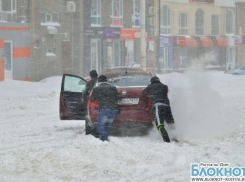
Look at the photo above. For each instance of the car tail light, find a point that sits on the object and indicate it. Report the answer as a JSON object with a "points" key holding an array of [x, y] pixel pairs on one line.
{"points": [[93, 104]]}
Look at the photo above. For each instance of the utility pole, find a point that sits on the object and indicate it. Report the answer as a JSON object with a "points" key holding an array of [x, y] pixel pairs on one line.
{"points": [[142, 35]]}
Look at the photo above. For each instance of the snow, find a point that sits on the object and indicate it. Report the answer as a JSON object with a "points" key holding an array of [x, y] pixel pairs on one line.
{"points": [[36, 146]]}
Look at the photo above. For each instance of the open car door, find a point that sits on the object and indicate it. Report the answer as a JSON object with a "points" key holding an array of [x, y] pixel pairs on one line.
{"points": [[71, 105]]}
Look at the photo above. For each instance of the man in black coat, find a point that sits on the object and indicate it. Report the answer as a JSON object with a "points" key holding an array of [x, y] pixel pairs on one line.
{"points": [[107, 97], [158, 93], [89, 86]]}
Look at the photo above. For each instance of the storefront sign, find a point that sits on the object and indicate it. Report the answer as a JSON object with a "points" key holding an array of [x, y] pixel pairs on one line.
{"points": [[234, 40], [112, 32], [94, 32], [101, 32], [130, 34], [238, 40], [166, 41]]}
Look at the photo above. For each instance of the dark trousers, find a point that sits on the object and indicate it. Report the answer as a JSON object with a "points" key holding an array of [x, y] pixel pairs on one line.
{"points": [[163, 113]]}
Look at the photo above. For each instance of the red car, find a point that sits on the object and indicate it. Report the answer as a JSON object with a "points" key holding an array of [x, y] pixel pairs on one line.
{"points": [[135, 111]]}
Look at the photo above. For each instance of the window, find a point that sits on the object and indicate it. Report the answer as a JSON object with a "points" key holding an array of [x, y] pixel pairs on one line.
{"points": [[199, 22], [229, 22], [136, 14], [95, 12], [117, 13], [95, 54], [215, 25], [183, 30], [8, 10], [49, 18], [165, 20], [117, 59]]}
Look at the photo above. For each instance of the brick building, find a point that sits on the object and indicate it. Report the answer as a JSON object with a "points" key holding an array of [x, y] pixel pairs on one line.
{"points": [[112, 34], [56, 38]]}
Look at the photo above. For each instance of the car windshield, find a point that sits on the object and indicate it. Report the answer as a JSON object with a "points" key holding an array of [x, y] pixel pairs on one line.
{"points": [[130, 80]]}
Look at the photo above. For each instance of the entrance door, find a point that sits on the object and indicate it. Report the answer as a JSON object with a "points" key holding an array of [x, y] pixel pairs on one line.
{"points": [[95, 54], [8, 60]]}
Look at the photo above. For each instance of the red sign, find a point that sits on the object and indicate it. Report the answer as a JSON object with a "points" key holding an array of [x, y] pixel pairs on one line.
{"points": [[130, 34]]}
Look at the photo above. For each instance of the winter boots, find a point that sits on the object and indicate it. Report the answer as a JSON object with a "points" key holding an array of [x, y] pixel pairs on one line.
{"points": [[164, 133]]}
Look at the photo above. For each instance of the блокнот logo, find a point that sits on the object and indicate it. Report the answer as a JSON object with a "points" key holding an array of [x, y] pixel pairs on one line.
{"points": [[216, 172]]}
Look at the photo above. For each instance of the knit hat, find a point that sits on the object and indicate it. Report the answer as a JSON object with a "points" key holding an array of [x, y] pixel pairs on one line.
{"points": [[102, 78], [155, 79], [93, 74]]}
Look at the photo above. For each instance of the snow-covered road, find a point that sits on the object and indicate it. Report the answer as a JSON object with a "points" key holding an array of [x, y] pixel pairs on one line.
{"points": [[35, 146]]}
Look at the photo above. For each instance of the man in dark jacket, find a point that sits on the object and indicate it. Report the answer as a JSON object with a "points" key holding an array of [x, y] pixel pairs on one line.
{"points": [[158, 93], [107, 97], [89, 86]]}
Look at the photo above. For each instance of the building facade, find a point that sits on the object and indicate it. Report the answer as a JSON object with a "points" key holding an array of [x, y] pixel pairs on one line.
{"points": [[196, 33], [240, 8], [15, 45], [112, 34], [56, 38]]}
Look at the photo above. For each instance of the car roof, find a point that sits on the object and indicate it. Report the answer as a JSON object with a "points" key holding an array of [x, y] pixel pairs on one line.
{"points": [[123, 70]]}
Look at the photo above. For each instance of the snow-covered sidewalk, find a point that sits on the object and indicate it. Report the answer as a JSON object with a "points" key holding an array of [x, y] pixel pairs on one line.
{"points": [[35, 146]]}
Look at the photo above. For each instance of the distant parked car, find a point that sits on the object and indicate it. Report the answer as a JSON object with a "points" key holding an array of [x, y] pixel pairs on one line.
{"points": [[135, 111], [237, 71]]}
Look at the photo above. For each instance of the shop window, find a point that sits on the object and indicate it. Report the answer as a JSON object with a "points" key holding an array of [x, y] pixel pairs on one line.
{"points": [[183, 30], [95, 54], [117, 13], [95, 12], [117, 58], [215, 24], [165, 20], [229, 22], [136, 14], [8, 10], [199, 22]]}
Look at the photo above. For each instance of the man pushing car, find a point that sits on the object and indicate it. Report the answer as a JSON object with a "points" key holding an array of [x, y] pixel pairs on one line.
{"points": [[158, 93], [107, 97]]}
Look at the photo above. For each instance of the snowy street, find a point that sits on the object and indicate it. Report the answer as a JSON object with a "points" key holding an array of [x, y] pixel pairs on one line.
{"points": [[36, 146]]}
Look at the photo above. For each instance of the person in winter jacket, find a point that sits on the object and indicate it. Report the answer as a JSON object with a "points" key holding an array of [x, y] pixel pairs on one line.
{"points": [[107, 97], [158, 93], [89, 86]]}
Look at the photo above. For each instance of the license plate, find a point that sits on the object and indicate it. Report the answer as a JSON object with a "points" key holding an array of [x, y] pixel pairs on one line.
{"points": [[128, 101]]}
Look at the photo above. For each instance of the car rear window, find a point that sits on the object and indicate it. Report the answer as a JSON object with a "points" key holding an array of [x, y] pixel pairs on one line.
{"points": [[130, 80]]}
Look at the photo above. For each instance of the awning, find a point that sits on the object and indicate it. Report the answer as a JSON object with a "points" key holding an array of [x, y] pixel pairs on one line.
{"points": [[206, 42], [186, 41], [221, 42]]}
